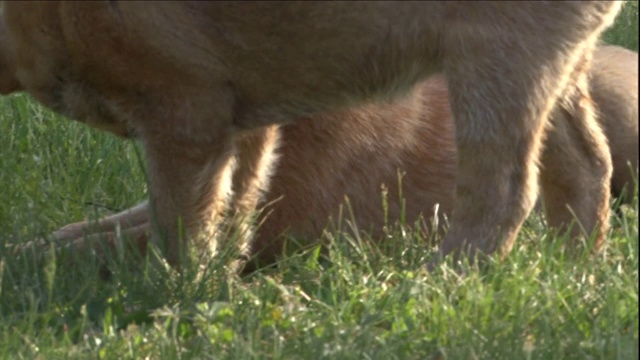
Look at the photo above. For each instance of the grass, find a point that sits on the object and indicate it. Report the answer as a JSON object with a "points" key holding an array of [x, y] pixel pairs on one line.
{"points": [[625, 30], [361, 301]]}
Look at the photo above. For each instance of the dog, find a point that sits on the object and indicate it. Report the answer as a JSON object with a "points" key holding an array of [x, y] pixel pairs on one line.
{"points": [[202, 84], [324, 159]]}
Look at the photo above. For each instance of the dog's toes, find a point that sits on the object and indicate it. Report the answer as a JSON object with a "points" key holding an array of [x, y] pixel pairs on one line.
{"points": [[33, 245]]}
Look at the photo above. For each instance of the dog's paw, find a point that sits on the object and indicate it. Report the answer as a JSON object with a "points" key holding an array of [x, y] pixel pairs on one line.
{"points": [[28, 246], [69, 232], [65, 236]]}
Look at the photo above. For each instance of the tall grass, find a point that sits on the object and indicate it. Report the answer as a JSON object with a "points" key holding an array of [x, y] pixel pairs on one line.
{"points": [[359, 301]]}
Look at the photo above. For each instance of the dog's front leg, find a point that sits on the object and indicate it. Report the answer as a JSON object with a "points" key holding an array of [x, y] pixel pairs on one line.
{"points": [[129, 218], [189, 146], [101, 234], [190, 185]]}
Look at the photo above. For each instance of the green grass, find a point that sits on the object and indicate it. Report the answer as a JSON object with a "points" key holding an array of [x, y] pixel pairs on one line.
{"points": [[625, 30], [360, 302]]}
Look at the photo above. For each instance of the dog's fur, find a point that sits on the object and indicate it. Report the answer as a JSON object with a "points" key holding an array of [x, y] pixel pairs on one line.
{"points": [[614, 83], [201, 83], [614, 89], [323, 159]]}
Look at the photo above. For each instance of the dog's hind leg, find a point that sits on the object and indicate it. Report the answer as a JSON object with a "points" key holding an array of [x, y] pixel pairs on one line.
{"points": [[500, 120], [256, 157], [576, 167]]}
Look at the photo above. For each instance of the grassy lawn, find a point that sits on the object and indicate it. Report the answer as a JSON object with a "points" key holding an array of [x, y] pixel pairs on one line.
{"points": [[360, 301]]}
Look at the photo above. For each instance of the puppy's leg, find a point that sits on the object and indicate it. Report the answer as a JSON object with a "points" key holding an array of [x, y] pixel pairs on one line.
{"points": [[613, 85], [499, 132], [98, 243], [190, 184], [496, 183], [255, 159], [132, 217], [76, 232], [576, 166], [190, 152]]}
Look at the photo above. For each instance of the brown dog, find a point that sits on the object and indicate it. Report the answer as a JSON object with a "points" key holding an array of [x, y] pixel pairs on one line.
{"points": [[353, 152], [198, 83]]}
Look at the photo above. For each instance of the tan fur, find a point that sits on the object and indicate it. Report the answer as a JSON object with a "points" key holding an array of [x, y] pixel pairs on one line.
{"points": [[189, 79], [614, 87], [354, 152]]}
